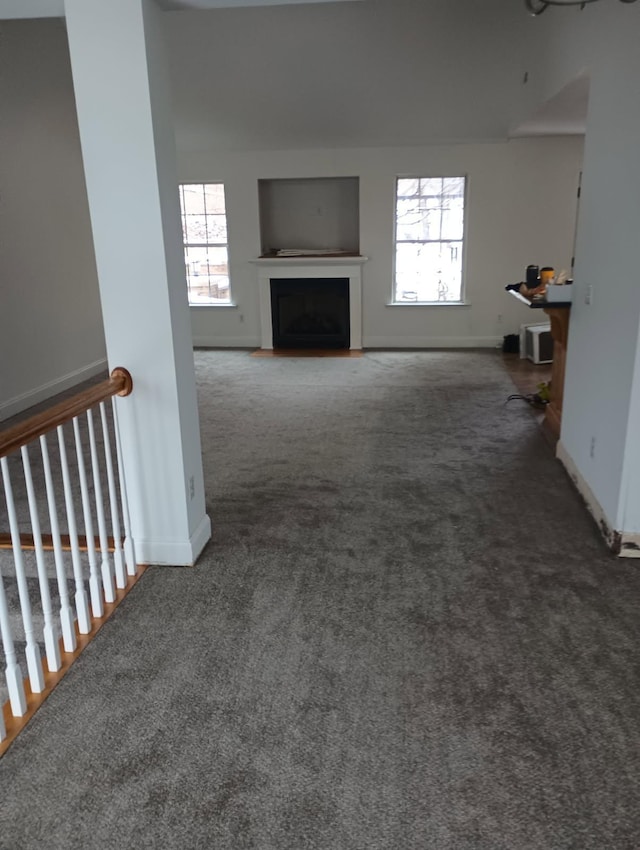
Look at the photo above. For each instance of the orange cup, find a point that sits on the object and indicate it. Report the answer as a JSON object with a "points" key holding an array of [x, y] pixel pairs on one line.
{"points": [[546, 275]]}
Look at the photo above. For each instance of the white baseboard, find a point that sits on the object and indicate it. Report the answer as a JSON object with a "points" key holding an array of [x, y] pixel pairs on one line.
{"points": [[200, 537], [629, 545], [216, 341], [431, 341], [174, 553], [27, 399], [622, 543]]}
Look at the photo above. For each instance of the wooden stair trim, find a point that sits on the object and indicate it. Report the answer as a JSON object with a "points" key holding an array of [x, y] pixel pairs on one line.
{"points": [[15, 725], [27, 542]]}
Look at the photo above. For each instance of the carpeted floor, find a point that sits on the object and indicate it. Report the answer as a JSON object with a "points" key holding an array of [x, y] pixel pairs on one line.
{"points": [[406, 634]]}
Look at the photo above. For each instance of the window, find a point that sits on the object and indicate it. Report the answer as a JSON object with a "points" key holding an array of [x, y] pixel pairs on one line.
{"points": [[204, 229], [429, 240]]}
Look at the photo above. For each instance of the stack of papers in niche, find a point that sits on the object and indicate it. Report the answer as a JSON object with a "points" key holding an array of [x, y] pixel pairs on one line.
{"points": [[302, 252]]}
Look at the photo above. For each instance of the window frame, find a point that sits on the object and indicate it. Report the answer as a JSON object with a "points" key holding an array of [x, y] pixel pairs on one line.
{"points": [[187, 245], [461, 301]]}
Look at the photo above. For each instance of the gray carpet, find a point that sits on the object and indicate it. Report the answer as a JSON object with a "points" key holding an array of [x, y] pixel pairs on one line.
{"points": [[406, 633]]}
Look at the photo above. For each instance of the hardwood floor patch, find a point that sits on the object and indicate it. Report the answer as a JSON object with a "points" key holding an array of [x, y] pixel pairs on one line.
{"points": [[306, 352]]}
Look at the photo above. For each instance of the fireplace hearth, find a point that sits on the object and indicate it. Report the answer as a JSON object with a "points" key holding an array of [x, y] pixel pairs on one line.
{"points": [[310, 312]]}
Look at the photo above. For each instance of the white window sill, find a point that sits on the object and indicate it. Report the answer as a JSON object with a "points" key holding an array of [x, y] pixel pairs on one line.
{"points": [[428, 304], [209, 306]]}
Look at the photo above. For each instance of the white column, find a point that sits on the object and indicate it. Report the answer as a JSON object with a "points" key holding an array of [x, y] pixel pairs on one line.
{"points": [[601, 408], [122, 97]]}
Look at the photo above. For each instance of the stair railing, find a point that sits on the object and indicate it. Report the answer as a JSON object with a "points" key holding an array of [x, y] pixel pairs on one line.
{"points": [[102, 563]]}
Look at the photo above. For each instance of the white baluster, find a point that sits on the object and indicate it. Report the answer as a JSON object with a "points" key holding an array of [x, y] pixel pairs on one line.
{"points": [[34, 662], [129, 549], [105, 565], [118, 559], [66, 613], [51, 643], [13, 674], [95, 589], [3, 728], [82, 604]]}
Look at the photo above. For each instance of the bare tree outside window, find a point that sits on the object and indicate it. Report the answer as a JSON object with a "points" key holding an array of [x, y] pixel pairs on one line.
{"points": [[429, 240], [204, 230]]}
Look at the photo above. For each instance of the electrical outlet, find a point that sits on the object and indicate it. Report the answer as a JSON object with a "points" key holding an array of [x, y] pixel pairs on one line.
{"points": [[588, 295], [592, 448], [192, 488]]}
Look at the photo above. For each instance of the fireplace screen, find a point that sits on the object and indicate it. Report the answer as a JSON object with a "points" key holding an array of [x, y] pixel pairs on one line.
{"points": [[310, 312]]}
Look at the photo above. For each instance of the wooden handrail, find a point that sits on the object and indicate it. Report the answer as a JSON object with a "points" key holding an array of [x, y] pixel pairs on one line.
{"points": [[118, 383]]}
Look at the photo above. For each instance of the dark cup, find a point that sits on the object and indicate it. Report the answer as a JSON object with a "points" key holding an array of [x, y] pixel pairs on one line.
{"points": [[532, 276]]}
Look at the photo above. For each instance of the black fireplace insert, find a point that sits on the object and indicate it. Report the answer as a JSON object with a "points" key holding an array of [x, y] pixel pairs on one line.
{"points": [[310, 312]]}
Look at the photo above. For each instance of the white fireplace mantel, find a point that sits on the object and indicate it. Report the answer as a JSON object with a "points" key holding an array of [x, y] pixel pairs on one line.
{"points": [[306, 266]]}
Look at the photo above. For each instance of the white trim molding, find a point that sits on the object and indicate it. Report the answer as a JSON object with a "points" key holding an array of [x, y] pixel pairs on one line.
{"points": [[216, 341], [629, 545], [225, 305], [622, 543], [174, 553], [310, 267], [438, 304], [45, 391], [432, 341]]}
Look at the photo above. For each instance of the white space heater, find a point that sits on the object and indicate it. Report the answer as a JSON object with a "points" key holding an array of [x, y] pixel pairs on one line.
{"points": [[536, 343]]}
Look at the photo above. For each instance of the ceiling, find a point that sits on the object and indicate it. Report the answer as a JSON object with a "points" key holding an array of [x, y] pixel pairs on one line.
{"points": [[381, 73], [388, 55], [563, 114], [219, 4], [55, 8]]}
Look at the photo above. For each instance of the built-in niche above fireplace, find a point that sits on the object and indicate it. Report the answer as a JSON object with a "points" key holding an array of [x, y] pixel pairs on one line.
{"points": [[321, 213]]}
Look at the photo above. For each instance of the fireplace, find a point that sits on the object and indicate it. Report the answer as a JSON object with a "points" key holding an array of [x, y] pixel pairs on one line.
{"points": [[310, 312], [336, 277]]}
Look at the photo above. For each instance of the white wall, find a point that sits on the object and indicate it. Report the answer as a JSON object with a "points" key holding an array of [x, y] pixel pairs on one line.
{"points": [[601, 414], [50, 322], [521, 207]]}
